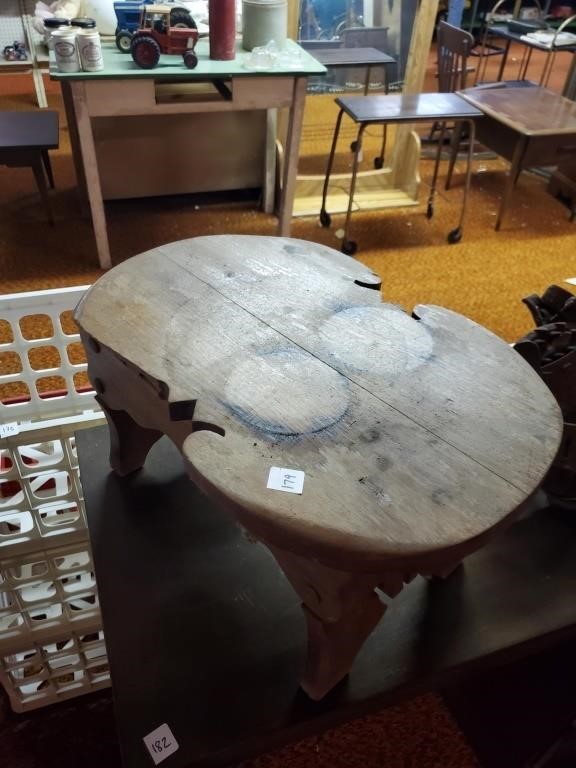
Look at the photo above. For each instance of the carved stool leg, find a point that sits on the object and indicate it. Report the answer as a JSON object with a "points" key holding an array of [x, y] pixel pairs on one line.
{"points": [[129, 442], [341, 610]]}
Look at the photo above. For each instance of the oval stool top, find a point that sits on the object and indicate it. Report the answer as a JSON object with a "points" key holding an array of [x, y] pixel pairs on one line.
{"points": [[416, 434]]}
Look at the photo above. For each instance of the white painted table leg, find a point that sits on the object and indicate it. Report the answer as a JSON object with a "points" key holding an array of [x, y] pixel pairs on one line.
{"points": [[270, 161], [291, 156], [90, 167]]}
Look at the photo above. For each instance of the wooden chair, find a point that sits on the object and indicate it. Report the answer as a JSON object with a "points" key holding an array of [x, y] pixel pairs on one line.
{"points": [[25, 139], [454, 46]]}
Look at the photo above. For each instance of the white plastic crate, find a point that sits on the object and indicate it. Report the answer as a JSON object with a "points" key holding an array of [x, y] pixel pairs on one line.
{"points": [[35, 325], [46, 594], [48, 598], [41, 501], [41, 407], [49, 672]]}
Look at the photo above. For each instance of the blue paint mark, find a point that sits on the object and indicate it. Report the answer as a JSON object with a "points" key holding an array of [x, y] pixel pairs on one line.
{"points": [[275, 428]]}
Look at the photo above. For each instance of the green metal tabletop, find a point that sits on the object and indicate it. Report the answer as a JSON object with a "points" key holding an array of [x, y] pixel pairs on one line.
{"points": [[120, 65]]}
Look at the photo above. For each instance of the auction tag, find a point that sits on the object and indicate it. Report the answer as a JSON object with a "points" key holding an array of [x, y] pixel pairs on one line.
{"points": [[282, 479], [9, 430], [161, 743]]}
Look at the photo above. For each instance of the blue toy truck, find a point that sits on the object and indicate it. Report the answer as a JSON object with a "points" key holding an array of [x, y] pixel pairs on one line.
{"points": [[128, 15]]}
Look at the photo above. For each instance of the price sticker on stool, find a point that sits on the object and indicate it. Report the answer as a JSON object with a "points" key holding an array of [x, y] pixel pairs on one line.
{"points": [[282, 479], [161, 743], [9, 430]]}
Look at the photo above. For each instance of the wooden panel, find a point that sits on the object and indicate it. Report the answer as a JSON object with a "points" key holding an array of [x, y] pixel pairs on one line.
{"points": [[413, 82], [178, 154], [373, 191], [117, 97]]}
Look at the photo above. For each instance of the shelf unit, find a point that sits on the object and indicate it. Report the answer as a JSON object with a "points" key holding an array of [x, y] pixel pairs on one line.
{"points": [[15, 24]]}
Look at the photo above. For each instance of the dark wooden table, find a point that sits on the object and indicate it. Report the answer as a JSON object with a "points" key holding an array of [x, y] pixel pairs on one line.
{"points": [[25, 138], [334, 58], [205, 634], [527, 126], [508, 36]]}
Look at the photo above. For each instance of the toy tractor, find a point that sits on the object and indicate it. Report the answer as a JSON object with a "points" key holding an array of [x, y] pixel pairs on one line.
{"points": [[128, 17], [156, 36]]}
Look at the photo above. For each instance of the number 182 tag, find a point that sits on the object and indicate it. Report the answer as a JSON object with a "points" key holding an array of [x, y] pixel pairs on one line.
{"points": [[161, 743]]}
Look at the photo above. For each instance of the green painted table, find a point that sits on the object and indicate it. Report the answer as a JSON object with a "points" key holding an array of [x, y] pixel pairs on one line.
{"points": [[122, 89]]}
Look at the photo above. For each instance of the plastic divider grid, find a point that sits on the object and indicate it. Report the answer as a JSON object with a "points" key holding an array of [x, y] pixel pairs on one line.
{"points": [[48, 596], [46, 593], [48, 672]]}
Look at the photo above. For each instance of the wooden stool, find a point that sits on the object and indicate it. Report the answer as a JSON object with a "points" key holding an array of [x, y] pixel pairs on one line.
{"points": [[418, 435], [25, 138]]}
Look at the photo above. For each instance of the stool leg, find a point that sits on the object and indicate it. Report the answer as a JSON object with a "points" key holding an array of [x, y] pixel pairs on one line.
{"points": [[41, 184], [129, 442], [48, 167], [341, 610], [324, 216]]}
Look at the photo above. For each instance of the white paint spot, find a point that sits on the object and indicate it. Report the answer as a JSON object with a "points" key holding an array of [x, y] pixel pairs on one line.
{"points": [[381, 340]]}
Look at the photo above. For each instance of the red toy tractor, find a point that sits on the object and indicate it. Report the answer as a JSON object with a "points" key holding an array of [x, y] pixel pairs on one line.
{"points": [[156, 36]]}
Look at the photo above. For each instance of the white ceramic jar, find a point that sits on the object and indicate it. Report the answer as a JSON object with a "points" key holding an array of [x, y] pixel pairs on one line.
{"points": [[263, 21], [65, 49], [50, 26], [90, 50]]}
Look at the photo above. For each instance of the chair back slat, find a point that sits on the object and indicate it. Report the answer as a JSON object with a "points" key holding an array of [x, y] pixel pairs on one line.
{"points": [[454, 46]]}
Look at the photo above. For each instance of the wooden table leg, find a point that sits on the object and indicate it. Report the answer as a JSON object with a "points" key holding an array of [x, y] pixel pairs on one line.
{"points": [[37, 168], [511, 180], [75, 145], [291, 156], [48, 167], [270, 161], [91, 174]]}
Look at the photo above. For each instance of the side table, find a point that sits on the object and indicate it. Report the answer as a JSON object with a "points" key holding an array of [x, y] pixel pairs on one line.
{"points": [[397, 109]]}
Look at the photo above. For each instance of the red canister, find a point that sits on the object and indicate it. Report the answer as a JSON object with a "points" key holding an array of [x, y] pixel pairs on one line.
{"points": [[222, 24]]}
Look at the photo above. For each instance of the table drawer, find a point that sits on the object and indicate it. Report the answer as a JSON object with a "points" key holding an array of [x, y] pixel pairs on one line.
{"points": [[549, 150], [107, 98]]}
